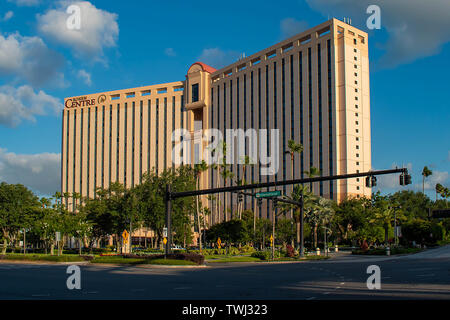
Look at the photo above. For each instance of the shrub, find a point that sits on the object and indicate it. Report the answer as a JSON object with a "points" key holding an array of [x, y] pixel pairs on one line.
{"points": [[247, 249], [193, 257], [290, 251], [265, 255]]}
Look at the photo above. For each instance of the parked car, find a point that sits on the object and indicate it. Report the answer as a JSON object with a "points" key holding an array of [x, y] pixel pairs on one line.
{"points": [[177, 247]]}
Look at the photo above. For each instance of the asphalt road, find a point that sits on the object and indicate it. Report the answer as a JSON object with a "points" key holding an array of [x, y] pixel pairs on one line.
{"points": [[424, 275]]}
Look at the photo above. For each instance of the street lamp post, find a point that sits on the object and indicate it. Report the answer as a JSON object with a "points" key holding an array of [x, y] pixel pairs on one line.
{"points": [[325, 246], [395, 225]]}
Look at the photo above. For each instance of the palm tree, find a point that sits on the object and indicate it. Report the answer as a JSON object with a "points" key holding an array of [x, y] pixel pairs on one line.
{"points": [[293, 148], [199, 168], [246, 161], [75, 197], [439, 189], [320, 212], [226, 174], [425, 173]]}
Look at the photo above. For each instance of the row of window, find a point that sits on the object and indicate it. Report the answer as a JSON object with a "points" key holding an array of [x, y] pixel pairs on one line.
{"points": [[100, 137], [221, 97]]}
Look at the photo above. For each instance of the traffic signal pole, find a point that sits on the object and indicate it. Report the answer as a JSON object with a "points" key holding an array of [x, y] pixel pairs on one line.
{"points": [[175, 195]]}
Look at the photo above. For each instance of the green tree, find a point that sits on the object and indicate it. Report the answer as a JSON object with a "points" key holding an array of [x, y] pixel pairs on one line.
{"points": [[384, 213], [16, 202]]}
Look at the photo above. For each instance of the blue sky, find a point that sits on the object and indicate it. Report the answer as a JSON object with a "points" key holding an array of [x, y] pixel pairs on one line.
{"points": [[133, 43]]}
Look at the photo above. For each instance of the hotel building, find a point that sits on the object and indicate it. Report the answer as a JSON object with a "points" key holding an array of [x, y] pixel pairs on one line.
{"points": [[312, 87]]}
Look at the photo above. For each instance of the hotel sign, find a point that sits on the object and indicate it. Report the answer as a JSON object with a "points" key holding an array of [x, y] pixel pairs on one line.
{"points": [[84, 101]]}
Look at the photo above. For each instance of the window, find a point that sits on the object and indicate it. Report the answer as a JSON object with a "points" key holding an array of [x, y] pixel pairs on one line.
{"points": [[356, 114], [195, 92], [356, 81], [357, 130], [356, 74], [357, 138], [356, 59], [357, 179], [355, 42], [357, 147], [357, 163], [354, 50], [356, 90], [356, 106], [356, 67], [356, 98], [356, 122], [357, 155], [357, 187]]}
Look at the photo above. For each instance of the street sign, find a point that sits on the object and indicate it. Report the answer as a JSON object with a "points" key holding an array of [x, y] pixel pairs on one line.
{"points": [[271, 240], [125, 235], [219, 242], [165, 240], [58, 236], [268, 194], [165, 232], [398, 231]]}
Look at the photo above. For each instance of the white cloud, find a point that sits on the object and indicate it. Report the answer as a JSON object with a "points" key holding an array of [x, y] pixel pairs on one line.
{"points": [[170, 52], [85, 76], [431, 181], [218, 58], [392, 181], [416, 28], [98, 29], [8, 15], [25, 3], [39, 172], [290, 27], [29, 58], [22, 103]]}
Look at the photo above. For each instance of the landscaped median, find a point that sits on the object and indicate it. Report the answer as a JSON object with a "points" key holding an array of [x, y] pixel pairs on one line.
{"points": [[180, 259], [174, 259]]}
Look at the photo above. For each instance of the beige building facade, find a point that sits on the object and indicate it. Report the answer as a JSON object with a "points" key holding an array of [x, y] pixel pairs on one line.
{"points": [[312, 87]]}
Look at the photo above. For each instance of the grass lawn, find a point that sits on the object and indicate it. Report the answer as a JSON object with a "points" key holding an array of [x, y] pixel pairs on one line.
{"points": [[41, 257], [133, 261]]}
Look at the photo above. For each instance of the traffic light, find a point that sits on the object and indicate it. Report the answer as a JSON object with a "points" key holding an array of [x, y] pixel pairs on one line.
{"points": [[259, 202], [407, 179], [240, 197], [374, 181], [368, 182]]}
